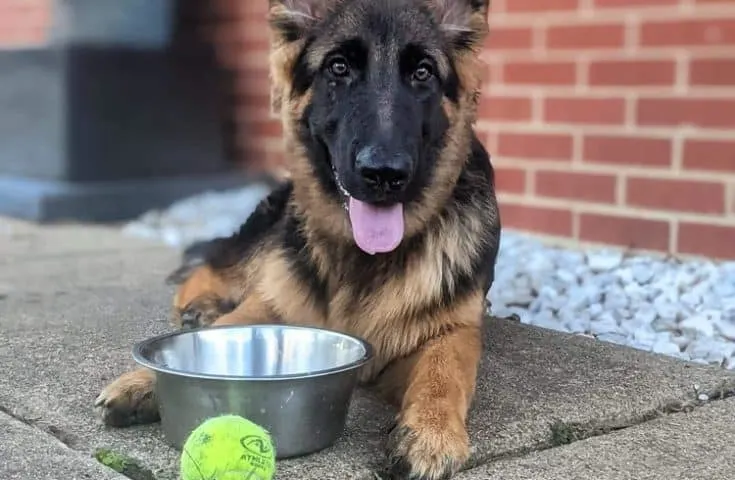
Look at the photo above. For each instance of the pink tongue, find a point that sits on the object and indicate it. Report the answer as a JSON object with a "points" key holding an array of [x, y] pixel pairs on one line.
{"points": [[376, 229]]}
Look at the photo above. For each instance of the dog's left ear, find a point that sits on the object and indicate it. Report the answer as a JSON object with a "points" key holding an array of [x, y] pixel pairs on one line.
{"points": [[463, 21], [292, 19]]}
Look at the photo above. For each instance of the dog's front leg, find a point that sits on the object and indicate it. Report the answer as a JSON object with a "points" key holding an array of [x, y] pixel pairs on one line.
{"points": [[430, 440]]}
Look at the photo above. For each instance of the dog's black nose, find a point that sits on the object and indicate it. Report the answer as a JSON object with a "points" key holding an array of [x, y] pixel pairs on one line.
{"points": [[387, 173]]}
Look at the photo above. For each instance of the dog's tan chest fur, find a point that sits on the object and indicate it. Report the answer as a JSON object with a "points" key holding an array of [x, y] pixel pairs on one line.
{"points": [[398, 316]]}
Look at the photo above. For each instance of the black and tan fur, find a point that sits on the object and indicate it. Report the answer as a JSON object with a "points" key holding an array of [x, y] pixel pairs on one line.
{"points": [[295, 261]]}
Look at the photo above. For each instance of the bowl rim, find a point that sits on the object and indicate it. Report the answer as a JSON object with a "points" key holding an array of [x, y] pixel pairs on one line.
{"points": [[143, 361]]}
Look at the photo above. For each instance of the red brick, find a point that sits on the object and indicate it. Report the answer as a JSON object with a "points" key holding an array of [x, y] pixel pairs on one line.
{"points": [[225, 32], [633, 3], [582, 37], [510, 180], [229, 55], [262, 127], [22, 37], [587, 187], [255, 26], [585, 110], [255, 81], [710, 112], [235, 9], [255, 158], [632, 73], [252, 43], [708, 240], [535, 146], [624, 231], [649, 152], [509, 38], [540, 5], [505, 108], [715, 155], [24, 22], [676, 195], [253, 100], [255, 62], [712, 72], [537, 219], [540, 73], [715, 31]]}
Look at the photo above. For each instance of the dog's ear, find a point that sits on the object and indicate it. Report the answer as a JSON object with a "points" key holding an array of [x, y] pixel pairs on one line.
{"points": [[291, 19], [463, 21]]}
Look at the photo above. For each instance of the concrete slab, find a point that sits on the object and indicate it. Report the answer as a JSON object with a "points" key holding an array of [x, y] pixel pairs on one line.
{"points": [[21, 240], [27, 454], [692, 446], [58, 257], [64, 335]]}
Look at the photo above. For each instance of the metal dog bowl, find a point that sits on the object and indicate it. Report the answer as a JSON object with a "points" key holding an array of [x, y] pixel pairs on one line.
{"points": [[297, 382]]}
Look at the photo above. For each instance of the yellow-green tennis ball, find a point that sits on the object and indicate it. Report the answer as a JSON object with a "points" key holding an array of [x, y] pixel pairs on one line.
{"points": [[228, 447]]}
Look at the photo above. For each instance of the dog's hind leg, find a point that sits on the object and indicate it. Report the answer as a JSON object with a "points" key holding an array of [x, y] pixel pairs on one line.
{"points": [[202, 295], [434, 388]]}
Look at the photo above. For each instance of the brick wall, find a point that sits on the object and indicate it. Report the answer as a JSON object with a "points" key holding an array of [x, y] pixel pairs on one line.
{"points": [[609, 121], [24, 23], [241, 35], [613, 121]]}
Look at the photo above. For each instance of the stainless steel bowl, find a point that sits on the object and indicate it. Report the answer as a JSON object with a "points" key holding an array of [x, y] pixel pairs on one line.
{"points": [[297, 382]]}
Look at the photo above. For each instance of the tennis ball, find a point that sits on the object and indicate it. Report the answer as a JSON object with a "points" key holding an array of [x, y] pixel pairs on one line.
{"points": [[228, 447]]}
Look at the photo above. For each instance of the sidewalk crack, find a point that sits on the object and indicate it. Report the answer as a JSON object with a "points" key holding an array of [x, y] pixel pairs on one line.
{"points": [[65, 438], [564, 433]]}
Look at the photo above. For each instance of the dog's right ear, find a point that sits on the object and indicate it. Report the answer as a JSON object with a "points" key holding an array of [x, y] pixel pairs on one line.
{"points": [[292, 19], [290, 22]]}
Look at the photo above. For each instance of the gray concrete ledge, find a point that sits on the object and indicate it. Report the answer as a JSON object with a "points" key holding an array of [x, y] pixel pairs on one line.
{"points": [[691, 446], [27, 454], [54, 200], [68, 323]]}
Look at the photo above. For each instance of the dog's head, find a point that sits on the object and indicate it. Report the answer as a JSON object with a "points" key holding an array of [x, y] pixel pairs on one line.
{"points": [[379, 95]]}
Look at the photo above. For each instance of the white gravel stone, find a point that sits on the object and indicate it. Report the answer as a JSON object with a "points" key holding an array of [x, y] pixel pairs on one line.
{"points": [[201, 217], [604, 260], [684, 309], [698, 325]]}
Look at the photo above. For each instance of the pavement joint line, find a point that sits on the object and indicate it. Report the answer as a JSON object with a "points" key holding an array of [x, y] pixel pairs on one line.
{"points": [[57, 433], [563, 433]]}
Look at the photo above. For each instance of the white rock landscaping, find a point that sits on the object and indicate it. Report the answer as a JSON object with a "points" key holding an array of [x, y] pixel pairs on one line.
{"points": [[684, 309], [201, 217], [679, 308]]}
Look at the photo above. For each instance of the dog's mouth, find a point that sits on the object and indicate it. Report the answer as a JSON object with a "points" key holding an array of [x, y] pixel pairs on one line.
{"points": [[375, 229]]}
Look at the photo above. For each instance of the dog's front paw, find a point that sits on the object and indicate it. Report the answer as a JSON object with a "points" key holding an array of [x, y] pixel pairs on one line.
{"points": [[129, 400], [427, 446]]}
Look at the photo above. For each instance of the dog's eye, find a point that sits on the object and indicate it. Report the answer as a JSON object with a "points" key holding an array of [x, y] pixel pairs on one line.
{"points": [[338, 67], [423, 72]]}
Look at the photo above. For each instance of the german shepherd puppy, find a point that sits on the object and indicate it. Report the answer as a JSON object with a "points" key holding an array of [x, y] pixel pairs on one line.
{"points": [[388, 228]]}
